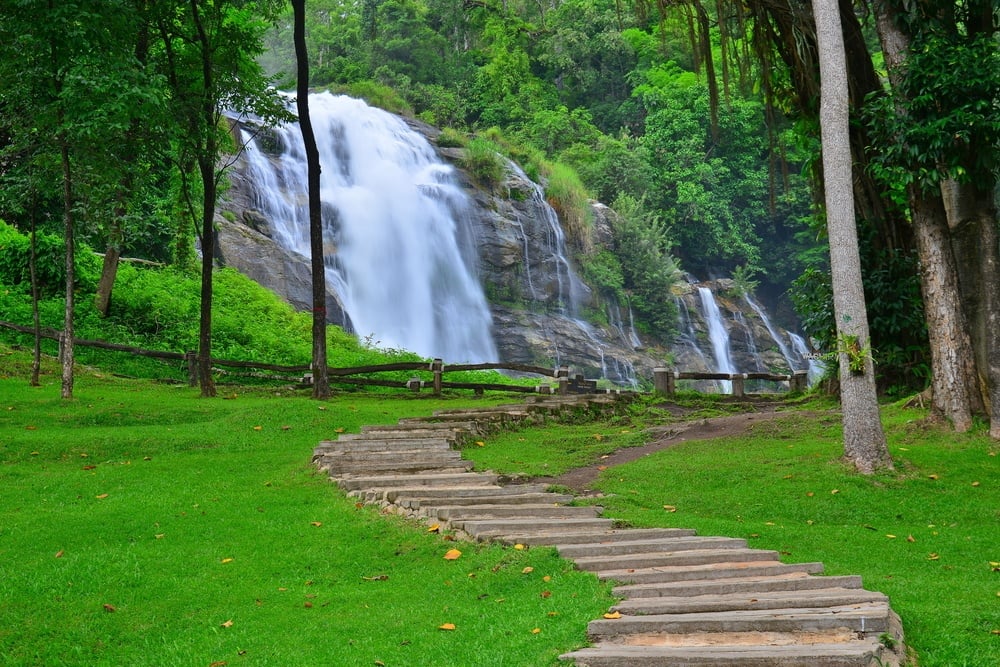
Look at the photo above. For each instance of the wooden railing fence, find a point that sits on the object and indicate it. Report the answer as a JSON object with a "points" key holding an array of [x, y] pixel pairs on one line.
{"points": [[664, 379]]}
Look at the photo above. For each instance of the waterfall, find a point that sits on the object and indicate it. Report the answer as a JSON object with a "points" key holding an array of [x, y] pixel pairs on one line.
{"points": [[778, 338], [718, 335], [816, 368], [400, 252], [570, 290]]}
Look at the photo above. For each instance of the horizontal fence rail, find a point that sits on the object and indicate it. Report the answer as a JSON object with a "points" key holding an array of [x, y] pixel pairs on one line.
{"points": [[557, 380]]}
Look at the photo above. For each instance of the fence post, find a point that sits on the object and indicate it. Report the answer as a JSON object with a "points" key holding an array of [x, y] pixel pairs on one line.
{"points": [[738, 381], [438, 367], [562, 377], [664, 381], [414, 384], [799, 381], [192, 364]]}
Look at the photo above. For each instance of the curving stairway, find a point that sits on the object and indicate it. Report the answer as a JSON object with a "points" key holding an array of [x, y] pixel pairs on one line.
{"points": [[685, 599]]}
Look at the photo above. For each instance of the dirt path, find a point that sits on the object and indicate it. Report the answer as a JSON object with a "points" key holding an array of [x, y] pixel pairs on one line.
{"points": [[579, 479]]}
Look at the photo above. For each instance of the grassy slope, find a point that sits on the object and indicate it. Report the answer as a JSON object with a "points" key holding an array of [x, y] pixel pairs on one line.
{"points": [[138, 521]]}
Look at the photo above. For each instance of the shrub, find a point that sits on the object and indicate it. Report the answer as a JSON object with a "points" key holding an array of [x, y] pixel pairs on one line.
{"points": [[483, 161], [568, 196]]}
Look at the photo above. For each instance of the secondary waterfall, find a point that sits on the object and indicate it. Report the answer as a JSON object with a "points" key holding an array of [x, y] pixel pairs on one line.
{"points": [[718, 335], [400, 250]]}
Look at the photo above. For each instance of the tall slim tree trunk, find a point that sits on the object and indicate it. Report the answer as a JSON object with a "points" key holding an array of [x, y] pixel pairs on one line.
{"points": [[864, 440], [67, 336], [36, 350], [321, 382], [953, 373], [109, 270]]}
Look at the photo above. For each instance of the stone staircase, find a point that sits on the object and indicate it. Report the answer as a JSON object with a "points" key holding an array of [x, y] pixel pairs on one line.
{"points": [[685, 599]]}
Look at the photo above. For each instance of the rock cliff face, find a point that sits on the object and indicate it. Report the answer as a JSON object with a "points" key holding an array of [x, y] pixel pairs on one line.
{"points": [[536, 297]]}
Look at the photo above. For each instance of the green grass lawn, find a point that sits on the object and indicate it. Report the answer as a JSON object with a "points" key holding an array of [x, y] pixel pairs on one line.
{"points": [[142, 525]]}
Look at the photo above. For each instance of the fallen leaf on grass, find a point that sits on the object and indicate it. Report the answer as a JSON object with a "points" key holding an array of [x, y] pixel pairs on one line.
{"points": [[932, 557], [227, 624], [452, 554], [546, 578], [528, 570], [316, 523], [519, 547], [891, 537], [30, 428], [377, 577], [219, 663], [110, 608], [934, 477], [89, 467], [227, 560], [480, 443], [613, 615], [308, 605], [911, 538], [258, 428], [975, 484], [535, 631], [433, 528], [994, 566], [546, 594], [670, 508], [102, 496], [446, 626], [59, 554]]}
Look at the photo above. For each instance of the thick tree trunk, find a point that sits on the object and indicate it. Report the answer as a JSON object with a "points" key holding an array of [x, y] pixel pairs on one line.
{"points": [[952, 366], [864, 440], [321, 382], [953, 374], [205, 380], [972, 221]]}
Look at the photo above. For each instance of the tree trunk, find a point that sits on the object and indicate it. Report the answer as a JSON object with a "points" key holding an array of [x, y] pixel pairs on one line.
{"points": [[953, 374], [971, 217], [952, 366], [321, 382], [36, 350], [864, 440], [66, 349], [109, 271]]}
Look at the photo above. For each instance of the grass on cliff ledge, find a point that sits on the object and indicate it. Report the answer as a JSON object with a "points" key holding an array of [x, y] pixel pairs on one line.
{"points": [[142, 525]]}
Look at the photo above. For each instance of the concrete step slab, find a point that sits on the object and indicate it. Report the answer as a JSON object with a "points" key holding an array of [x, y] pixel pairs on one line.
{"points": [[415, 426], [509, 500], [508, 526], [567, 537], [849, 653], [662, 559], [723, 570], [466, 493], [787, 581], [384, 444], [339, 467], [866, 618], [523, 511], [820, 597], [435, 479], [638, 546]]}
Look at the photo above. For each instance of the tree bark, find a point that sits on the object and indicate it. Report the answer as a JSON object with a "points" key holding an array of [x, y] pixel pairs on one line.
{"points": [[36, 350], [864, 440], [953, 373], [321, 382], [66, 349], [109, 271], [971, 215]]}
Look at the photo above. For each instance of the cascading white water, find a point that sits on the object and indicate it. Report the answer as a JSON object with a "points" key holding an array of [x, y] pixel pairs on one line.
{"points": [[718, 335], [400, 253], [778, 338], [816, 368], [752, 350]]}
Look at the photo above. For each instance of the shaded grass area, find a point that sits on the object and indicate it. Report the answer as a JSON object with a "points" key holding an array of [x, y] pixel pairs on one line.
{"points": [[140, 524], [928, 534]]}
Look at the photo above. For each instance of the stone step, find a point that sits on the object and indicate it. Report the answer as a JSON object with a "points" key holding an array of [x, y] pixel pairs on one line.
{"points": [[487, 528], [435, 479], [383, 444], [509, 499], [402, 455], [455, 513], [819, 597], [639, 546], [866, 618], [848, 653], [565, 537], [337, 466], [468, 492], [680, 558], [413, 427], [788, 581], [722, 570]]}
